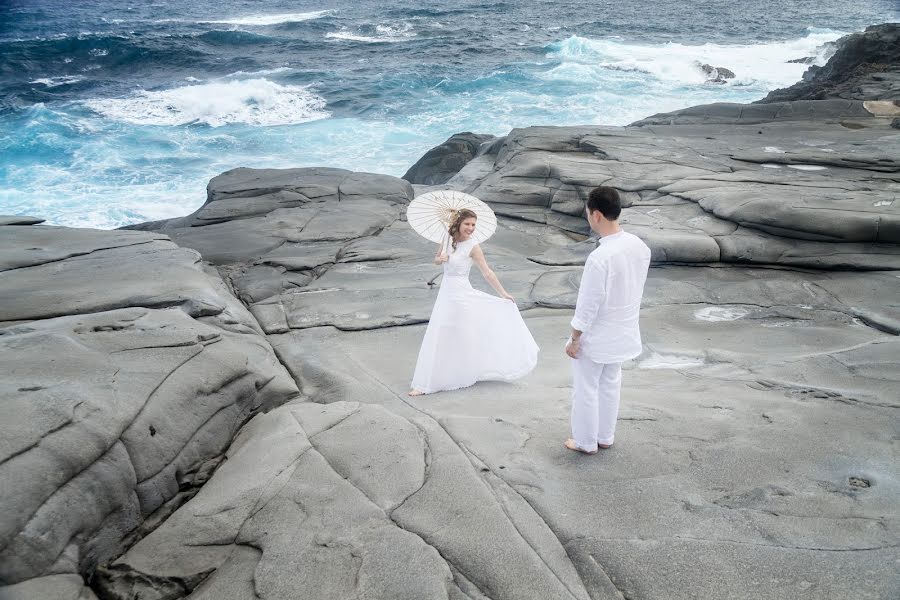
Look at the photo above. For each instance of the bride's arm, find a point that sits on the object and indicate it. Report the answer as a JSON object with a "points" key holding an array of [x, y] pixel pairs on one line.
{"points": [[440, 257], [478, 256]]}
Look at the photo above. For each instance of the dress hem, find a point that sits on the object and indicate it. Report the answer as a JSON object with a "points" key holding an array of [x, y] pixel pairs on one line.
{"points": [[504, 378]]}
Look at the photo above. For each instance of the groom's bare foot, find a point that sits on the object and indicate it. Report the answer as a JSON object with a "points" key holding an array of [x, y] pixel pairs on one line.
{"points": [[415, 393], [571, 445]]}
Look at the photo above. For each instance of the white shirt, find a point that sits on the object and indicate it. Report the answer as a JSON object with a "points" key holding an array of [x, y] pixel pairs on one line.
{"points": [[609, 299]]}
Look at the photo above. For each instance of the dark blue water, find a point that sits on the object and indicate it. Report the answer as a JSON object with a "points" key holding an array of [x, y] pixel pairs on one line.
{"points": [[116, 112]]}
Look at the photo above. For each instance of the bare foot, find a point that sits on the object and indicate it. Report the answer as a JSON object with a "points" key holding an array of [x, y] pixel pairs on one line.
{"points": [[604, 446], [415, 393], [571, 445]]}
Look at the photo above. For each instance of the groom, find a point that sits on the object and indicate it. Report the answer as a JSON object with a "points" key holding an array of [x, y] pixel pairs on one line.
{"points": [[605, 329]]}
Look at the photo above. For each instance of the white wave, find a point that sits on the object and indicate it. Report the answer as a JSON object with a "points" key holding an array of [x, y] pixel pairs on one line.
{"points": [[258, 102], [262, 73], [261, 20], [121, 174], [65, 196], [355, 37], [759, 64], [57, 81], [384, 34]]}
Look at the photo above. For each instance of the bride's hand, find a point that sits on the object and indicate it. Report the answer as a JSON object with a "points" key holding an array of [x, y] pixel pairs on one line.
{"points": [[440, 258], [506, 296]]}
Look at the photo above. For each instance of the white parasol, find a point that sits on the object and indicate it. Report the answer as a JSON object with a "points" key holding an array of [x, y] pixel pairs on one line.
{"points": [[431, 214]]}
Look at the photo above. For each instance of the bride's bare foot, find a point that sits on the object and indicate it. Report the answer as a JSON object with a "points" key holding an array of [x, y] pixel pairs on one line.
{"points": [[415, 393]]}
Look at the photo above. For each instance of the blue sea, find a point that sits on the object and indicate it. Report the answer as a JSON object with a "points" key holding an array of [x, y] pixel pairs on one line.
{"points": [[116, 112]]}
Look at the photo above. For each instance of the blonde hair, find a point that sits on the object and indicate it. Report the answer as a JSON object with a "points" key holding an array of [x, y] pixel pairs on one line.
{"points": [[461, 215]]}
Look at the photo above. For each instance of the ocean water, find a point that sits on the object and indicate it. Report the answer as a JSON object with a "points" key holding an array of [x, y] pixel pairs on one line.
{"points": [[113, 113]]}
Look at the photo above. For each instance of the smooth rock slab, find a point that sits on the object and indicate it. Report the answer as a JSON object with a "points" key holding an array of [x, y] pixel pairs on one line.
{"points": [[114, 408], [247, 240], [444, 161], [679, 569], [330, 371], [58, 587], [702, 451], [37, 245], [156, 274], [249, 193], [19, 220], [834, 215], [540, 172], [329, 512]]}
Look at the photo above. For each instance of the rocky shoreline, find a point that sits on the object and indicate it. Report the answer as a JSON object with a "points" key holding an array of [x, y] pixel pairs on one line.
{"points": [[214, 406]]}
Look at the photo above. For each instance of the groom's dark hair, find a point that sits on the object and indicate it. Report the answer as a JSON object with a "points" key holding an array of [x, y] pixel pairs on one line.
{"points": [[606, 200]]}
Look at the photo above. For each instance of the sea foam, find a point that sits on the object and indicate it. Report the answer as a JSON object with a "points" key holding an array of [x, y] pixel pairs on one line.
{"points": [[262, 20], [384, 34], [760, 64], [257, 102], [58, 81]]}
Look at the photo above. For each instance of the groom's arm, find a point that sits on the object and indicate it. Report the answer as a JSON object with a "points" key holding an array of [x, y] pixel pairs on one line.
{"points": [[591, 294]]}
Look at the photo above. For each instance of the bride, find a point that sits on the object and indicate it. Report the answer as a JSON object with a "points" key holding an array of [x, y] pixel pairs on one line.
{"points": [[471, 336]]}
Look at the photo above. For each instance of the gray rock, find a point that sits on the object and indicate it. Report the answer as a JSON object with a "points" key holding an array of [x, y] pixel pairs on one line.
{"points": [[361, 505], [106, 279], [830, 192], [750, 114], [30, 246], [506, 426], [822, 214], [19, 220], [135, 399], [442, 162], [128, 366], [58, 587], [716, 74], [242, 193], [769, 572], [857, 57]]}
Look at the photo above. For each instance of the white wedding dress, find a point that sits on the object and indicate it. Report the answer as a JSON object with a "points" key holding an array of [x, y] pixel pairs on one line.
{"points": [[471, 336]]}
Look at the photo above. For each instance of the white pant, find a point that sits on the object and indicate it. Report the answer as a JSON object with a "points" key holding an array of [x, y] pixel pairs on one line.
{"points": [[595, 402]]}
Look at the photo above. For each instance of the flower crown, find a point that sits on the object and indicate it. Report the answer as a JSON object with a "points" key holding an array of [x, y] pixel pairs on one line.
{"points": [[452, 215]]}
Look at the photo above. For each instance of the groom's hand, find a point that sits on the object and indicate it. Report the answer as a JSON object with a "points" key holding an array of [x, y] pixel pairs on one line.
{"points": [[572, 348]]}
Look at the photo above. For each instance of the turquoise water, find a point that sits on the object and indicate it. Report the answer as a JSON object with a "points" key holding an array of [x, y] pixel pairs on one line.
{"points": [[113, 113]]}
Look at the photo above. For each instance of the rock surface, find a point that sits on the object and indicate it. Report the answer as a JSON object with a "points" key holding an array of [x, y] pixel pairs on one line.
{"points": [[127, 368], [442, 162], [716, 74], [790, 374], [865, 66]]}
